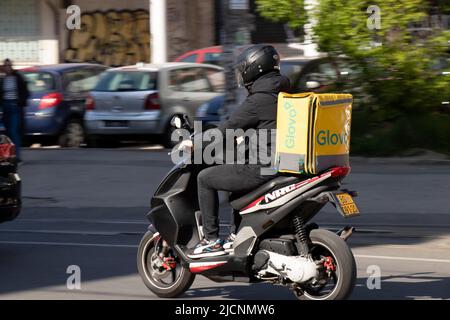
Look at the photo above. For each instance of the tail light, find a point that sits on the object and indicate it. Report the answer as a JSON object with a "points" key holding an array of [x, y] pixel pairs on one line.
{"points": [[90, 103], [7, 151], [50, 100], [340, 172], [152, 102]]}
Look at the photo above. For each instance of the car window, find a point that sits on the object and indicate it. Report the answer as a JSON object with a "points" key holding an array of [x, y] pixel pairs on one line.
{"points": [[324, 72], [80, 80], [189, 80], [291, 69], [328, 70], [93, 75], [40, 81], [212, 58], [306, 75], [127, 81], [216, 79], [190, 58]]}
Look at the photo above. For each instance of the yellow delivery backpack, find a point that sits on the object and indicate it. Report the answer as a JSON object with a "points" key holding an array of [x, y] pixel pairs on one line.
{"points": [[313, 132]]}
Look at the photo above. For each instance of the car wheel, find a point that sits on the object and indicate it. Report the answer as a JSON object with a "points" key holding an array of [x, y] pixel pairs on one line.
{"points": [[73, 135]]}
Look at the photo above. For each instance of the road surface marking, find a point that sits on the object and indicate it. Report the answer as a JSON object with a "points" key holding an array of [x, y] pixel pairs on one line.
{"points": [[401, 258], [95, 221], [75, 232], [135, 246], [70, 244], [85, 221]]}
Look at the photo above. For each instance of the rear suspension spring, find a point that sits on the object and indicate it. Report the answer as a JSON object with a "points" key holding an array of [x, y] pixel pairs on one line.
{"points": [[301, 235]]}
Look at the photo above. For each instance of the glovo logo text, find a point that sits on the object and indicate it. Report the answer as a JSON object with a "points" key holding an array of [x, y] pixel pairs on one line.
{"points": [[289, 139], [326, 138]]}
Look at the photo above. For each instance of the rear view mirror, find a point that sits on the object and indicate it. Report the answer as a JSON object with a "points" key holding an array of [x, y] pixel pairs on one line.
{"points": [[176, 122]]}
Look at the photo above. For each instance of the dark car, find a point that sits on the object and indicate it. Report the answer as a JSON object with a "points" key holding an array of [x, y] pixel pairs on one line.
{"points": [[318, 75], [210, 112], [56, 105], [10, 183], [306, 75]]}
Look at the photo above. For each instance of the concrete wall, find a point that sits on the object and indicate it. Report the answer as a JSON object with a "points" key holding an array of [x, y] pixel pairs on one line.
{"points": [[190, 25], [20, 31], [114, 32], [49, 31]]}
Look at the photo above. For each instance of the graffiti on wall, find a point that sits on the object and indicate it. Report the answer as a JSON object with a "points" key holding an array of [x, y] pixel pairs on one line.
{"points": [[113, 38]]}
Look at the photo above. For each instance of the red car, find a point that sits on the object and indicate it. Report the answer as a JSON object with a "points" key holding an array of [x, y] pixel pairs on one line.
{"points": [[209, 55], [213, 55]]}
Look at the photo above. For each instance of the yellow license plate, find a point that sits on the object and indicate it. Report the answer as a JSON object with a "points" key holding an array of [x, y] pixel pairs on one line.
{"points": [[347, 204]]}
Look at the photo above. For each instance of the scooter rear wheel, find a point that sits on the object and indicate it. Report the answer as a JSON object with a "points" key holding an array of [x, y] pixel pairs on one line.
{"points": [[338, 272], [165, 276]]}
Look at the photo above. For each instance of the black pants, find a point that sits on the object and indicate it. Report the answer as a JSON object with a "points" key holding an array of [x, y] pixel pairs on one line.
{"points": [[228, 177]]}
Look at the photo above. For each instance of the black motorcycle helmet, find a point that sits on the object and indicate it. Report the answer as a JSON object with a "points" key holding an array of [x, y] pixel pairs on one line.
{"points": [[255, 61]]}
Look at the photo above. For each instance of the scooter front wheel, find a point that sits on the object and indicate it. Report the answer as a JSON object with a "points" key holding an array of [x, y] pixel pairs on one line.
{"points": [[161, 269]]}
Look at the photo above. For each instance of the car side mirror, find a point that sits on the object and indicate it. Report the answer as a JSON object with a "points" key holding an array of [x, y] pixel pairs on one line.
{"points": [[312, 84]]}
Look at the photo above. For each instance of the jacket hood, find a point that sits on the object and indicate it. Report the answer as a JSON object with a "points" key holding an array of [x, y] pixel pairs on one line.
{"points": [[272, 82]]}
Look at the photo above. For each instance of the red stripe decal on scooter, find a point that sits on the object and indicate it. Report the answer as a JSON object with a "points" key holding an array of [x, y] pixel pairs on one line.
{"points": [[279, 194], [297, 185], [197, 267], [254, 203]]}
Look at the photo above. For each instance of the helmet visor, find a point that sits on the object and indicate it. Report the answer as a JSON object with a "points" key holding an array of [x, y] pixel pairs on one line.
{"points": [[238, 76], [239, 68]]}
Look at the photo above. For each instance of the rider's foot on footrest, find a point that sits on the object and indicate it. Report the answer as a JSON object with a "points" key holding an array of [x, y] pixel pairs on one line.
{"points": [[228, 244], [207, 248]]}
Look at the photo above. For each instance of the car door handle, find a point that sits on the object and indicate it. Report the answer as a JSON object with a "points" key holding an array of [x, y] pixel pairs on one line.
{"points": [[186, 99]]}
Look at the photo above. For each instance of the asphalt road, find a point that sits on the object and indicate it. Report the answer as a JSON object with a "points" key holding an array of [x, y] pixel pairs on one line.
{"points": [[87, 208]]}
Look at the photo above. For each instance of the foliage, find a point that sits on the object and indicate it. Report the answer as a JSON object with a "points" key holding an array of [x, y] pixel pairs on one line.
{"points": [[287, 11], [397, 78], [398, 65]]}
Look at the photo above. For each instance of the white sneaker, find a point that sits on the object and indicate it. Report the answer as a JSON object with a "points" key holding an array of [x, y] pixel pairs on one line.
{"points": [[228, 244], [207, 248]]}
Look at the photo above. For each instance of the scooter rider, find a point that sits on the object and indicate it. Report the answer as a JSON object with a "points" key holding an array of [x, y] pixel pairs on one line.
{"points": [[258, 69]]}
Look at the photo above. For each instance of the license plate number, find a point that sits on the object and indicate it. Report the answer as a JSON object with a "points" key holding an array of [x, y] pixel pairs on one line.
{"points": [[116, 124], [347, 204]]}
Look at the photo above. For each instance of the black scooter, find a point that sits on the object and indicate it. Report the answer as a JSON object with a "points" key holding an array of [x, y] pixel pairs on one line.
{"points": [[274, 243]]}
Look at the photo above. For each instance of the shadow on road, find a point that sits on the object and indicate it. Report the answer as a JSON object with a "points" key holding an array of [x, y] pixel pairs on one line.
{"points": [[229, 291], [420, 285]]}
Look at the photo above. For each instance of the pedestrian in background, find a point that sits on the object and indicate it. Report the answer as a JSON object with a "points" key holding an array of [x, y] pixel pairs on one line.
{"points": [[13, 99]]}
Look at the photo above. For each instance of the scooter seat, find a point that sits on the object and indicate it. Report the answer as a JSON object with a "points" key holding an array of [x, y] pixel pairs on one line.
{"points": [[248, 198]]}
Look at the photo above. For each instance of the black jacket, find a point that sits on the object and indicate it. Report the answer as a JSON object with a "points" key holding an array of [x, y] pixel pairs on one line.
{"points": [[259, 110], [22, 90]]}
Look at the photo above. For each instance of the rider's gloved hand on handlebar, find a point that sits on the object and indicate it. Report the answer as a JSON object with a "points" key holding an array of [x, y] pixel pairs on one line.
{"points": [[186, 145]]}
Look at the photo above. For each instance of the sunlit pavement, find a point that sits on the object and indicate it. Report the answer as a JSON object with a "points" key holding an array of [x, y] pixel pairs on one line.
{"points": [[87, 208]]}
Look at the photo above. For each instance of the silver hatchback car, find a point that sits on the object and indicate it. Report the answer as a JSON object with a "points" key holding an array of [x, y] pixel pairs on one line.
{"points": [[140, 100]]}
